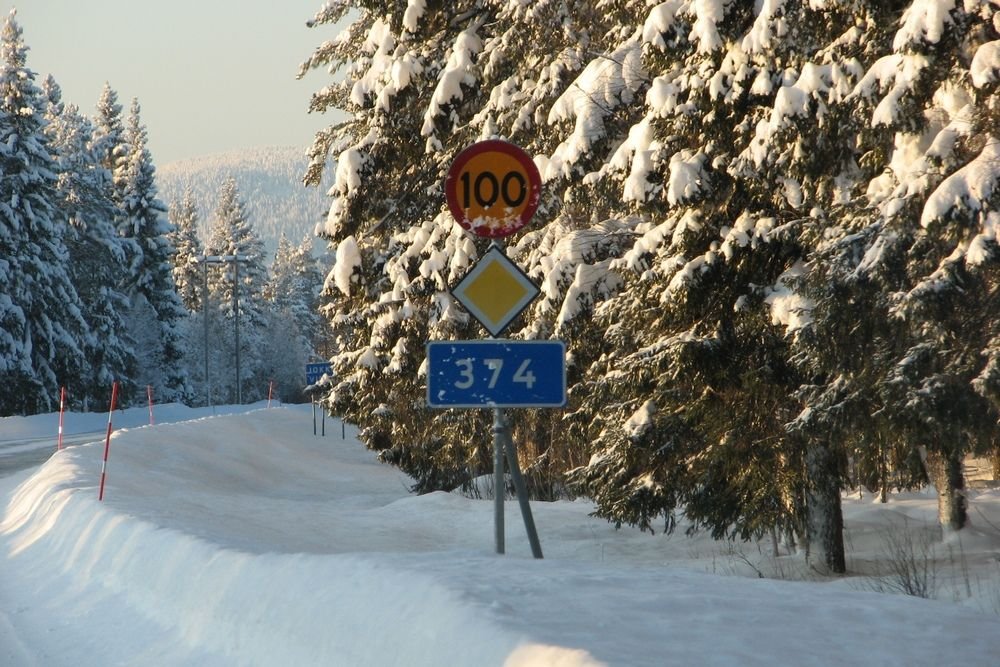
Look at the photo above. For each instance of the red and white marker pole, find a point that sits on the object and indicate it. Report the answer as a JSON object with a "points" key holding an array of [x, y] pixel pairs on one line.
{"points": [[62, 411], [149, 395], [270, 392], [107, 440]]}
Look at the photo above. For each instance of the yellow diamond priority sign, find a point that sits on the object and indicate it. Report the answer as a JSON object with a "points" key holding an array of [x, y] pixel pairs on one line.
{"points": [[495, 291]]}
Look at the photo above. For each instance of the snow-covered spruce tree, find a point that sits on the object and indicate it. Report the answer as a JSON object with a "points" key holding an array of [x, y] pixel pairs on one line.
{"points": [[428, 83], [570, 104], [901, 316], [306, 287], [189, 279], [97, 255], [109, 138], [281, 273], [294, 286], [292, 295], [985, 73], [232, 234], [396, 250], [42, 328], [950, 300], [156, 312], [730, 169], [188, 276], [848, 345]]}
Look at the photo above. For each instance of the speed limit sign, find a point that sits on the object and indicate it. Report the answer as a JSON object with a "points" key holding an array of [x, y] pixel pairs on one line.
{"points": [[493, 188]]}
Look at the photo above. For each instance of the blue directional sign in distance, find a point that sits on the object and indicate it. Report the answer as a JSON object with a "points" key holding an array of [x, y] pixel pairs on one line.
{"points": [[315, 371], [496, 374]]}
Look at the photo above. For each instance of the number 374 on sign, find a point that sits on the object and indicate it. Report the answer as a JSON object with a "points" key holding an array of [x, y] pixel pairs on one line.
{"points": [[496, 374]]}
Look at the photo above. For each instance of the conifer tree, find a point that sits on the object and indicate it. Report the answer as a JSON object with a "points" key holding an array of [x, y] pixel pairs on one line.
{"points": [[292, 317], [386, 293], [421, 87], [184, 236], [276, 289], [97, 255], [725, 240], [190, 280], [232, 235], [42, 328], [109, 139], [156, 309], [949, 295], [898, 296], [294, 285], [700, 386]]}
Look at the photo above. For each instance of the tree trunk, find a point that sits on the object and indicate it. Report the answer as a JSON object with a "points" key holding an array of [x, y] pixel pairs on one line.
{"points": [[790, 543], [825, 517], [945, 471]]}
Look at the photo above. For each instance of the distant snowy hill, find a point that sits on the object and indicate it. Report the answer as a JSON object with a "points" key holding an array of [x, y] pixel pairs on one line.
{"points": [[270, 184]]}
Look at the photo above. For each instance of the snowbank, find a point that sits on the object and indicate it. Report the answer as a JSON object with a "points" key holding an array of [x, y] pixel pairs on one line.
{"points": [[247, 540]]}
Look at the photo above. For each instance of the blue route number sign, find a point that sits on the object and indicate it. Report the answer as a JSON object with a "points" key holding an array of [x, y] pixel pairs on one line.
{"points": [[496, 374]]}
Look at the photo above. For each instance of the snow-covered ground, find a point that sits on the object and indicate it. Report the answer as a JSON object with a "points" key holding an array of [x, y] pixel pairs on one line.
{"points": [[245, 539]]}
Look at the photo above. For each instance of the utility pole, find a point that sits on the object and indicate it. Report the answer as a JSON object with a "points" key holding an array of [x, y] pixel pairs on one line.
{"points": [[204, 312], [236, 324], [205, 260]]}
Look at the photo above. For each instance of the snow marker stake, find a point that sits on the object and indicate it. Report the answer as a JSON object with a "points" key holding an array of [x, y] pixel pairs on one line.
{"points": [[62, 408], [149, 395], [270, 392], [107, 440]]}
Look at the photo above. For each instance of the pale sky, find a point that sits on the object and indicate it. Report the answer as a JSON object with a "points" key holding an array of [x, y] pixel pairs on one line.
{"points": [[210, 75]]}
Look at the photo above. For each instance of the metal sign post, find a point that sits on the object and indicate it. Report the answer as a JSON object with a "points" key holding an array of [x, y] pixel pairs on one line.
{"points": [[499, 484], [519, 486]]}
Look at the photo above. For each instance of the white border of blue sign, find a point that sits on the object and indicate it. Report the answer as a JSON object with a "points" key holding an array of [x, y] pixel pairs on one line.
{"points": [[464, 374]]}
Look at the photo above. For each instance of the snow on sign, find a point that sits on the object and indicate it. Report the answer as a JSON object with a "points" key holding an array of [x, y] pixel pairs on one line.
{"points": [[495, 291], [496, 374], [493, 188]]}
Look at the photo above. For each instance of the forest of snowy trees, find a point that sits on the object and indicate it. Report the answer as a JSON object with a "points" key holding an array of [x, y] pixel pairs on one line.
{"points": [[100, 284], [767, 235]]}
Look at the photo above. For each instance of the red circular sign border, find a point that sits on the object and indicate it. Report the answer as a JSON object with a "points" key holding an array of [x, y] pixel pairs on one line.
{"points": [[510, 149]]}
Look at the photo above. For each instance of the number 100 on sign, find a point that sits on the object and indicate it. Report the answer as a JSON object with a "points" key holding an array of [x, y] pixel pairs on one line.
{"points": [[493, 188], [496, 373]]}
